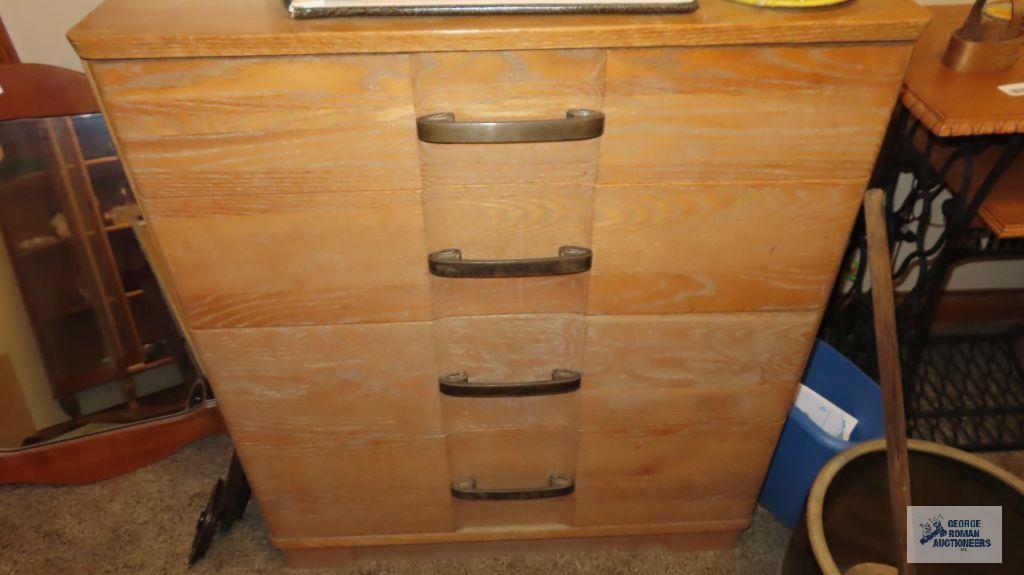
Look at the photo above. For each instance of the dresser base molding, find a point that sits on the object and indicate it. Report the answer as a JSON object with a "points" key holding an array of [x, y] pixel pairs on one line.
{"points": [[467, 544]]}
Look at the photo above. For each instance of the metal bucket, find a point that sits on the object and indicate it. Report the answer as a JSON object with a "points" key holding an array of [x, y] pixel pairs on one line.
{"points": [[847, 520]]}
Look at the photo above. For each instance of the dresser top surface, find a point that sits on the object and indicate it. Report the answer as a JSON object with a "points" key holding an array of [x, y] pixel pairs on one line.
{"points": [[129, 29]]}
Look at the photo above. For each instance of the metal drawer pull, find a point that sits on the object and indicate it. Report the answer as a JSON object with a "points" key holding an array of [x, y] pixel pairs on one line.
{"points": [[442, 128], [458, 385], [570, 260], [558, 486]]}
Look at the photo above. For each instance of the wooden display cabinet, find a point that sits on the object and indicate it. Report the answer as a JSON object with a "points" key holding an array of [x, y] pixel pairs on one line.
{"points": [[66, 212]]}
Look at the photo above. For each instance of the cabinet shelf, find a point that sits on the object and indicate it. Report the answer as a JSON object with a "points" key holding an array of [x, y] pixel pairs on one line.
{"points": [[57, 241], [100, 161], [148, 365], [85, 306], [117, 227]]}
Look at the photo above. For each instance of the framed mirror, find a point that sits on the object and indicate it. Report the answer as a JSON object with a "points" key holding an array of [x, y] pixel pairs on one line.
{"points": [[91, 353]]}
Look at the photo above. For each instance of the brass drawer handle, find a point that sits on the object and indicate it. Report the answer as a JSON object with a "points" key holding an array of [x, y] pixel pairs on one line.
{"points": [[570, 260], [558, 486], [458, 385], [442, 128]]}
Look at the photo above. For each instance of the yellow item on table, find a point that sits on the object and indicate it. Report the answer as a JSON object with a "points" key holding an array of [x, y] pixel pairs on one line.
{"points": [[999, 10], [791, 3]]}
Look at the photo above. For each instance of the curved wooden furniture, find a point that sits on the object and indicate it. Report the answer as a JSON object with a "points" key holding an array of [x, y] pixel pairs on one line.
{"points": [[697, 232], [55, 95], [107, 454], [41, 91]]}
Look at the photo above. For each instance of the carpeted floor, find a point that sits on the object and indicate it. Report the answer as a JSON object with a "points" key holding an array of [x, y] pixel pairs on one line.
{"points": [[143, 523]]}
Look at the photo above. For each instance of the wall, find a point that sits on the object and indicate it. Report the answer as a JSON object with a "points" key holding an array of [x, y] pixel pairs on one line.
{"points": [[37, 28], [17, 340]]}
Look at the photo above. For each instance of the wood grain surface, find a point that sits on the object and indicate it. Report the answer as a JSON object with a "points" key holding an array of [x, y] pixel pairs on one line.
{"points": [[508, 201], [584, 542], [508, 84], [719, 246], [661, 475], [950, 103], [349, 399], [890, 372], [511, 443], [295, 208], [263, 125], [679, 536], [68, 91], [289, 259], [746, 113], [731, 368], [1003, 208], [339, 427], [517, 457], [197, 28], [680, 413], [510, 347]]}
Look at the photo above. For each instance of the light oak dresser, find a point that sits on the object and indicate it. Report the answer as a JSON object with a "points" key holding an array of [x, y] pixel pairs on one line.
{"points": [[500, 282]]}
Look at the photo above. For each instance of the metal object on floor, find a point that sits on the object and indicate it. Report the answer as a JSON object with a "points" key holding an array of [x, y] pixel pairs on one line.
{"points": [[226, 505]]}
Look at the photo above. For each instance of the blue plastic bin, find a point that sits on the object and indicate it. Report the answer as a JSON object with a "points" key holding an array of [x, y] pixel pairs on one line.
{"points": [[804, 448]]}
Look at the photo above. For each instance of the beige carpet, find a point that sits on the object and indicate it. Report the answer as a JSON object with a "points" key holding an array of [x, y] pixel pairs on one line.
{"points": [[143, 523]]}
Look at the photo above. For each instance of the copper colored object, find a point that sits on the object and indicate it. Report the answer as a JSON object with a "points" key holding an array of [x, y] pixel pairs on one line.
{"points": [[983, 46]]}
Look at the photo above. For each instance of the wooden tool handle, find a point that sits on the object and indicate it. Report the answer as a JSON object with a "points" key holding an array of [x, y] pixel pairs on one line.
{"points": [[890, 376]]}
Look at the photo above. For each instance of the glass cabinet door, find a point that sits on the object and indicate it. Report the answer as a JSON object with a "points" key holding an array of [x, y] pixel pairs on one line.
{"points": [[57, 238]]}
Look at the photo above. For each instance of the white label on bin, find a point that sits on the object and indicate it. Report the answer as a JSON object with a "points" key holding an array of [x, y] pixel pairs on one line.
{"points": [[954, 534], [1014, 90], [831, 418]]}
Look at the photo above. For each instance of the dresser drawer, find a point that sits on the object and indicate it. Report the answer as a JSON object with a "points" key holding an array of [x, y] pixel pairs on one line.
{"points": [[535, 461], [290, 259], [509, 348], [722, 368], [294, 125], [733, 246], [746, 113], [507, 86], [339, 427], [646, 475], [680, 414], [512, 421], [508, 201], [687, 214], [346, 262]]}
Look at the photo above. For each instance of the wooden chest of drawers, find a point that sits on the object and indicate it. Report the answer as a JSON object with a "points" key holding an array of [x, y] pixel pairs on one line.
{"points": [[280, 166]]}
